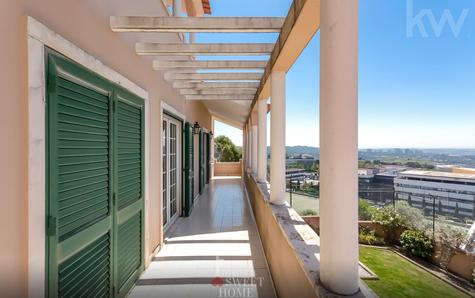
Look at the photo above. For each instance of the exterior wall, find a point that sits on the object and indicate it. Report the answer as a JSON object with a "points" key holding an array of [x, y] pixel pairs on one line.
{"points": [[463, 170], [462, 265], [227, 168], [288, 273], [314, 222], [84, 26]]}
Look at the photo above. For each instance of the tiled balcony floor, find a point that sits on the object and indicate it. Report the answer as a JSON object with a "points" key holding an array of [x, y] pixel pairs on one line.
{"points": [[216, 252]]}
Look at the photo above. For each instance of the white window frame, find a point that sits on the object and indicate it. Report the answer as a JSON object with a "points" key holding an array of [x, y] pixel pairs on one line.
{"points": [[164, 110]]}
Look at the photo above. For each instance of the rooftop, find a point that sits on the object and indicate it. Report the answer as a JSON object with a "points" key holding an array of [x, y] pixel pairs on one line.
{"points": [[442, 175]]}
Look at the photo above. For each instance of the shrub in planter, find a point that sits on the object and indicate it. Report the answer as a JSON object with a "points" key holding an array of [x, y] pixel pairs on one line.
{"points": [[368, 237], [365, 210], [416, 243], [308, 212], [390, 219]]}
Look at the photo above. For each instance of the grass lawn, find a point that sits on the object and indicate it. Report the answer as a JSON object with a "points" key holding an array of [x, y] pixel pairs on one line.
{"points": [[301, 202], [400, 278]]}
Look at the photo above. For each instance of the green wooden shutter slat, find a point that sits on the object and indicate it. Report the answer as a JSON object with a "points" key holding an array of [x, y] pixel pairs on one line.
{"points": [[81, 90], [129, 253], [67, 121], [129, 149], [93, 258], [75, 217], [83, 129]]}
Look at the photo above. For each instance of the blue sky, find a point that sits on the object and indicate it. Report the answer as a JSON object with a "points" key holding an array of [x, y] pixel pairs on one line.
{"points": [[416, 82]]}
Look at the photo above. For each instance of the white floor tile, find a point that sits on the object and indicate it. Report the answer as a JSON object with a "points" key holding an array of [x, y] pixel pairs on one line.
{"points": [[217, 244]]}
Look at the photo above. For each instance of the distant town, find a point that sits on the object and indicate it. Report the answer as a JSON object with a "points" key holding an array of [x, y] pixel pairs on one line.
{"points": [[439, 181]]}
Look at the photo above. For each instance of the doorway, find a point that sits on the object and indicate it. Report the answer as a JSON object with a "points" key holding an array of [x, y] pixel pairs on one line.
{"points": [[171, 164]]}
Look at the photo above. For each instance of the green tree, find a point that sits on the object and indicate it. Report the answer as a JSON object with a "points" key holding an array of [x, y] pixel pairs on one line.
{"points": [[226, 151]]}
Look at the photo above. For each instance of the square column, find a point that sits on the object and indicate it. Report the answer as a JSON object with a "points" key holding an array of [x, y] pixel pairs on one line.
{"points": [[277, 138], [249, 147], [339, 146], [254, 149], [262, 140]]}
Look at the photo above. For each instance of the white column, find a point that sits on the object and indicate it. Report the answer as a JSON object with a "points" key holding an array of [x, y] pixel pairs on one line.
{"points": [[251, 157], [244, 147], [277, 138], [248, 154], [177, 8], [262, 140], [339, 146], [254, 149]]}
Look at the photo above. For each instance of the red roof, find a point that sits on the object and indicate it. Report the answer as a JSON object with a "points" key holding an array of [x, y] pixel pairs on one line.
{"points": [[206, 6]]}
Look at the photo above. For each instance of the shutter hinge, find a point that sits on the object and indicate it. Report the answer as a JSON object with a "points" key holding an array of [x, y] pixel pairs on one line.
{"points": [[51, 226]]}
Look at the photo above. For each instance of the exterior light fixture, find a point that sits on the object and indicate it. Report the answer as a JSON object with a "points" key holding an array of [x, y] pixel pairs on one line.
{"points": [[211, 133], [196, 128]]}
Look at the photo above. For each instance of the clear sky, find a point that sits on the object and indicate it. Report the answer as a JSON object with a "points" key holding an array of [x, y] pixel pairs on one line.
{"points": [[416, 72]]}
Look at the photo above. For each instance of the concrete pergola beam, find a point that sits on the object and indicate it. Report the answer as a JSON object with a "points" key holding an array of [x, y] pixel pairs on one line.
{"points": [[179, 49], [214, 76], [219, 91], [210, 64], [219, 97], [196, 24], [301, 24], [214, 85]]}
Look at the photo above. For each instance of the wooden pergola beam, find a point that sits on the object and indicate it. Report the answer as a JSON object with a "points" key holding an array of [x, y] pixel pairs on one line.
{"points": [[219, 91], [196, 24], [214, 76], [179, 49], [214, 85], [219, 97], [209, 64]]}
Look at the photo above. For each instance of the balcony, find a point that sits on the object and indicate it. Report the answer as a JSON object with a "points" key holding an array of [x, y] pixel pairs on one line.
{"points": [[216, 252]]}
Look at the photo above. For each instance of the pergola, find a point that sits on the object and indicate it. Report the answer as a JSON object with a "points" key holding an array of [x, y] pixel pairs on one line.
{"points": [[231, 92]]}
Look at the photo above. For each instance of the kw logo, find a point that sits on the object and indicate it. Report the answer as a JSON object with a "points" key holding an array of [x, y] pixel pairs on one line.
{"points": [[414, 21]]}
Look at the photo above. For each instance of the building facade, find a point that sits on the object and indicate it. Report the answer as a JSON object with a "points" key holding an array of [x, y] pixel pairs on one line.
{"points": [[450, 194]]}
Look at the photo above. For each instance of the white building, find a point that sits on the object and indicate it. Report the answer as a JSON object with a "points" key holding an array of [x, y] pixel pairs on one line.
{"points": [[454, 193]]}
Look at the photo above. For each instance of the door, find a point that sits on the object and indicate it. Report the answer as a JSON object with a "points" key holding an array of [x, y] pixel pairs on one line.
{"points": [[94, 210], [171, 163], [201, 162], [208, 157], [188, 172]]}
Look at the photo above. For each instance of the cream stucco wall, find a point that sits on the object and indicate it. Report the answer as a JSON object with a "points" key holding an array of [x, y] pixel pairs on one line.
{"points": [[228, 168], [82, 24]]}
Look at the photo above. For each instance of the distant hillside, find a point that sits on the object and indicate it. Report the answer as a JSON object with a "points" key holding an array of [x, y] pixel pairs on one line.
{"points": [[295, 150]]}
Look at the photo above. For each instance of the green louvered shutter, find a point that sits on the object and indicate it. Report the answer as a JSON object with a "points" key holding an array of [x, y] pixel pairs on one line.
{"points": [[188, 176], [79, 181], [208, 159], [95, 158], [129, 146], [201, 162]]}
